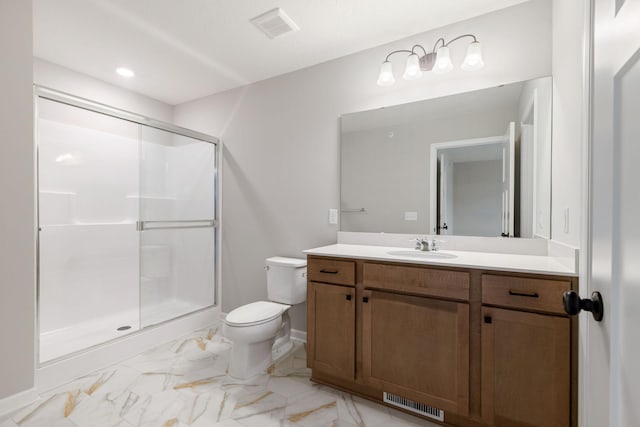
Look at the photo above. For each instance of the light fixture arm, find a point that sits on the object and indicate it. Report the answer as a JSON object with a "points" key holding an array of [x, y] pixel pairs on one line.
{"points": [[435, 46], [458, 38], [398, 51], [420, 46]]}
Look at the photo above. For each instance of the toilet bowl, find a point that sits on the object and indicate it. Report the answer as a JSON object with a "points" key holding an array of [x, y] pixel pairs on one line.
{"points": [[260, 331]]}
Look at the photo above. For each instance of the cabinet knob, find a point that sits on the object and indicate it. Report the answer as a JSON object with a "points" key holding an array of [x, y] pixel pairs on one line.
{"points": [[365, 299], [348, 297], [488, 319], [573, 304]]}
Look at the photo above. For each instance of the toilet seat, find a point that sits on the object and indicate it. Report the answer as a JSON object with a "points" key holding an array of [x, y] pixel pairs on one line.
{"points": [[255, 313]]}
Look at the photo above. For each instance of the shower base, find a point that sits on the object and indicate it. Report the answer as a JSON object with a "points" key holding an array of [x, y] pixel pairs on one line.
{"points": [[64, 341]]}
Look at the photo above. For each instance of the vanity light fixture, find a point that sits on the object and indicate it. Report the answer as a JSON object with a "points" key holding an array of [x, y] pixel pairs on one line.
{"points": [[438, 60]]}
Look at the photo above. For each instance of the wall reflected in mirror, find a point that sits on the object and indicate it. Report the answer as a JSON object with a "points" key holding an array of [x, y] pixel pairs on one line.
{"points": [[472, 164]]}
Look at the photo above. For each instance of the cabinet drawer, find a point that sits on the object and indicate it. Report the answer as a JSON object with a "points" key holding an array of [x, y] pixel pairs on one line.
{"points": [[524, 293], [331, 271], [417, 280]]}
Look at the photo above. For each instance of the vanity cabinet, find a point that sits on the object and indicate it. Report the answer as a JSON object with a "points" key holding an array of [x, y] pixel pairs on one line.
{"points": [[472, 347], [417, 348], [526, 355], [331, 315], [415, 333]]}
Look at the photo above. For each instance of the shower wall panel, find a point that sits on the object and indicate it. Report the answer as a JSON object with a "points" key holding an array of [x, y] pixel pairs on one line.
{"points": [[178, 186], [87, 212]]}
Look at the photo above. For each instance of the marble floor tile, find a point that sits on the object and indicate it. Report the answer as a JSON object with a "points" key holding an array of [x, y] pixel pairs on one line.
{"points": [[288, 387], [185, 384], [315, 408], [205, 409], [257, 402], [51, 412]]}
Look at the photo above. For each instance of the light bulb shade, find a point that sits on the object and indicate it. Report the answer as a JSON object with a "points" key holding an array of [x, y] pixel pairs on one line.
{"points": [[386, 74], [412, 71], [443, 61], [473, 61]]}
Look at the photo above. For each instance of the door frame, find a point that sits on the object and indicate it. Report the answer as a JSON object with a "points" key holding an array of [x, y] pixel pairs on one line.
{"points": [[584, 273], [433, 169], [530, 110]]}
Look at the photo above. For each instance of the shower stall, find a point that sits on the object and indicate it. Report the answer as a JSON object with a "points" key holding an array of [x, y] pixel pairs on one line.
{"points": [[127, 224]]}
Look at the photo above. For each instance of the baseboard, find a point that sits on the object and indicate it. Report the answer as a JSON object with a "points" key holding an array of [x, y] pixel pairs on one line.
{"points": [[299, 335], [17, 401]]}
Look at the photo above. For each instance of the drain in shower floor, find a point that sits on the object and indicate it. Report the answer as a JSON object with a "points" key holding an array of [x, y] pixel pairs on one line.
{"points": [[124, 328]]}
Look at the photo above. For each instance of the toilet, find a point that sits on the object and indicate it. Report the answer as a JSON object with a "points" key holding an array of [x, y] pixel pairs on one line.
{"points": [[260, 331]]}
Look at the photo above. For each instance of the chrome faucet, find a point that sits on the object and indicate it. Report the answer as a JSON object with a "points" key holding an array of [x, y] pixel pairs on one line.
{"points": [[424, 244]]}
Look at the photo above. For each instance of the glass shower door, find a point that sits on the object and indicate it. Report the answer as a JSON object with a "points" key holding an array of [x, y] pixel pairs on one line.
{"points": [[87, 211], [177, 224]]}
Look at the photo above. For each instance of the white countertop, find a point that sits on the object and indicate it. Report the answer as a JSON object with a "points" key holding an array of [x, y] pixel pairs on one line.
{"points": [[535, 264]]}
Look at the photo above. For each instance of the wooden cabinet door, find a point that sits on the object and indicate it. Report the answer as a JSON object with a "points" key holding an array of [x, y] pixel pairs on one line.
{"points": [[331, 320], [417, 348], [525, 369]]}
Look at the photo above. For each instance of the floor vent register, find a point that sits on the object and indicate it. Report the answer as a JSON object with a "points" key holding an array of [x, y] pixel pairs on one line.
{"points": [[410, 405]]}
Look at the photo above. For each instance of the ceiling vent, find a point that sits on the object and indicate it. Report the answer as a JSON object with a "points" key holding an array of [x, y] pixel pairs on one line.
{"points": [[274, 23]]}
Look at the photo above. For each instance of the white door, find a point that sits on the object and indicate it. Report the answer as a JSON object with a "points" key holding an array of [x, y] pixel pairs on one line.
{"points": [[610, 381], [445, 201], [508, 181]]}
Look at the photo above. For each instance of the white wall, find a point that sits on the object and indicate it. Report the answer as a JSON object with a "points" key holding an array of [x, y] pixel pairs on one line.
{"points": [[536, 106], [281, 135], [17, 248], [568, 138]]}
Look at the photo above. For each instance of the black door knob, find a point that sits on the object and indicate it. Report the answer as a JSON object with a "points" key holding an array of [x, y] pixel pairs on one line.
{"points": [[573, 304]]}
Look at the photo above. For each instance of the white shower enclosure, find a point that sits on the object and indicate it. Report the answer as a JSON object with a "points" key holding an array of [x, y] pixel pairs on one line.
{"points": [[126, 223]]}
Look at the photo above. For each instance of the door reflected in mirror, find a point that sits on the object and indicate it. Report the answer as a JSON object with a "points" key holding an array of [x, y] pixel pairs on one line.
{"points": [[473, 183], [472, 164]]}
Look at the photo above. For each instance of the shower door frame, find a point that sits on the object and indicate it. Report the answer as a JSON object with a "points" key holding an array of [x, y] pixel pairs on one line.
{"points": [[97, 107]]}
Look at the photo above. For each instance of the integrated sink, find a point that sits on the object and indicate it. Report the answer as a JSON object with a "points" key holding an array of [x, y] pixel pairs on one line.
{"points": [[422, 254]]}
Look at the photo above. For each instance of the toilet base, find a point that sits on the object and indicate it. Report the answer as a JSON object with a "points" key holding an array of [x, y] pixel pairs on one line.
{"points": [[251, 358], [279, 351], [248, 360]]}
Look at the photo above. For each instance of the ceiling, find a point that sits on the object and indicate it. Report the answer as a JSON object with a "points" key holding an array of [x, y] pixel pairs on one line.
{"points": [[183, 50]]}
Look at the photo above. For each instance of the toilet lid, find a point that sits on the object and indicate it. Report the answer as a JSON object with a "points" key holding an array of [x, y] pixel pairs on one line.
{"points": [[254, 313]]}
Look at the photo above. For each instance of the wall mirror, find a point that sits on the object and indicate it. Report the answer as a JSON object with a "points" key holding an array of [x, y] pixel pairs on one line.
{"points": [[471, 164]]}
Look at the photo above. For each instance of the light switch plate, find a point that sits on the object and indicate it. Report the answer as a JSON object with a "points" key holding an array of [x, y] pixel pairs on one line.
{"points": [[333, 216], [411, 216]]}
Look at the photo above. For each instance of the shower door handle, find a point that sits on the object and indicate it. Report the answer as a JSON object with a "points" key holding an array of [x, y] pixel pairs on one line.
{"points": [[175, 224]]}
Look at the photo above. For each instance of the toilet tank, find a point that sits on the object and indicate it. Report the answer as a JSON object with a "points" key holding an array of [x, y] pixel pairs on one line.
{"points": [[286, 280]]}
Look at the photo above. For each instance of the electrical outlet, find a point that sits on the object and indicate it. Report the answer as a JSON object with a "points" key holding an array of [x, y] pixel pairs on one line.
{"points": [[411, 216], [333, 216]]}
